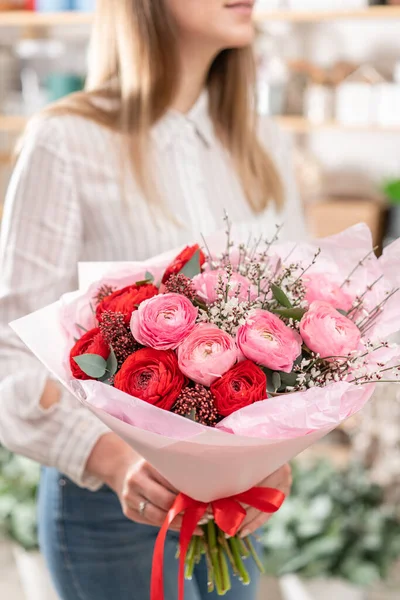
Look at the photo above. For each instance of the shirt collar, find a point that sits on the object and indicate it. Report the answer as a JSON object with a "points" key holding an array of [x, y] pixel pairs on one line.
{"points": [[173, 122]]}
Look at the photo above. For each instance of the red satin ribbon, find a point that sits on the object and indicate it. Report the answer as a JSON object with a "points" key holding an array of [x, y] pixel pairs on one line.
{"points": [[229, 515]]}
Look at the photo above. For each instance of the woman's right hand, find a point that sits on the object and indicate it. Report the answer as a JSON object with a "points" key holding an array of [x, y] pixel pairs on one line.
{"points": [[140, 485], [134, 481]]}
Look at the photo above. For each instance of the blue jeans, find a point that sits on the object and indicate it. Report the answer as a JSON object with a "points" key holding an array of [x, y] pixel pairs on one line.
{"points": [[95, 553]]}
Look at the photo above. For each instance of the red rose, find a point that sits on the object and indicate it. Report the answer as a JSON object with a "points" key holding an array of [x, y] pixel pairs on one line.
{"points": [[241, 386], [90, 343], [180, 261], [127, 300], [152, 376]]}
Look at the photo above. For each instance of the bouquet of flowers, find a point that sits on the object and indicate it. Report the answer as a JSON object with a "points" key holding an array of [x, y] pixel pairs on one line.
{"points": [[230, 354]]}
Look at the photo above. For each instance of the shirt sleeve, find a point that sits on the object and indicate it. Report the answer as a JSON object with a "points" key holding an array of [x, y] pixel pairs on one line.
{"points": [[280, 144], [40, 245]]}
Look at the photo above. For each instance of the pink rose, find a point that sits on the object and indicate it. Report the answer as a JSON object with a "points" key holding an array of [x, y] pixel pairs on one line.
{"points": [[207, 354], [321, 287], [267, 341], [327, 332], [206, 285], [164, 321]]}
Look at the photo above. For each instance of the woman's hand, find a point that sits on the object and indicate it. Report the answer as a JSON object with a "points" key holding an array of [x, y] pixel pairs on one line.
{"points": [[145, 495], [280, 480]]}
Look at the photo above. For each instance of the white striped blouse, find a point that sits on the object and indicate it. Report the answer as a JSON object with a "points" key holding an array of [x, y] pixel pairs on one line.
{"points": [[64, 205]]}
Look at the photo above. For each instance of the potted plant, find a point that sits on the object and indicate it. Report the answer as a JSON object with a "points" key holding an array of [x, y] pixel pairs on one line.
{"points": [[19, 479], [391, 190], [333, 537]]}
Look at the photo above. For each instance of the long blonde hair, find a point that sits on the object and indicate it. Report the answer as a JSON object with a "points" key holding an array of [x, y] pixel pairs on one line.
{"points": [[134, 63]]}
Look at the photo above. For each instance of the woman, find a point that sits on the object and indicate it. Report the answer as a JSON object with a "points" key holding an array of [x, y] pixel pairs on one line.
{"points": [[147, 158]]}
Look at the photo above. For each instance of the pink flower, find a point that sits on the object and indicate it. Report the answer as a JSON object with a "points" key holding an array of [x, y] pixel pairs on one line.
{"points": [[206, 285], [164, 321], [327, 332], [267, 341], [321, 287], [207, 354]]}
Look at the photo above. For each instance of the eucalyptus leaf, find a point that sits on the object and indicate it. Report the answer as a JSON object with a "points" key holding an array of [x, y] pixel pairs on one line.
{"points": [[92, 365], [149, 277], [288, 379], [112, 364], [342, 312], [290, 313], [276, 381], [192, 267], [280, 296]]}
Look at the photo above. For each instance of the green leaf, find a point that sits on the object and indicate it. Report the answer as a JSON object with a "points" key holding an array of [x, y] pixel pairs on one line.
{"points": [[342, 312], [290, 313], [280, 296], [276, 381], [92, 364], [288, 379], [192, 267], [112, 364], [149, 276], [191, 416]]}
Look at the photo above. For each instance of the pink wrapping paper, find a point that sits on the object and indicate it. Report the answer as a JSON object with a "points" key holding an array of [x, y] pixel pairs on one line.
{"points": [[252, 443]]}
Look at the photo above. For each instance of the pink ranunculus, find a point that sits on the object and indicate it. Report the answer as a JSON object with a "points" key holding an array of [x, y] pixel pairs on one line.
{"points": [[207, 354], [327, 332], [206, 285], [164, 321], [321, 287], [267, 341]]}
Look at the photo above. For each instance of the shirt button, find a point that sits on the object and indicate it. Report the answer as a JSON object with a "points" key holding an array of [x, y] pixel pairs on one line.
{"points": [[62, 482]]}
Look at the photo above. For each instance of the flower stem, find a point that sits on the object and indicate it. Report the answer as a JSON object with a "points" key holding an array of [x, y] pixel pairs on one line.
{"points": [[226, 578], [254, 554], [235, 547], [190, 558], [212, 542], [210, 568], [224, 543], [244, 551]]}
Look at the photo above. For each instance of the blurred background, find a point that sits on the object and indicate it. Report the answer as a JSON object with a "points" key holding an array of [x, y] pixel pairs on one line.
{"points": [[329, 73]]}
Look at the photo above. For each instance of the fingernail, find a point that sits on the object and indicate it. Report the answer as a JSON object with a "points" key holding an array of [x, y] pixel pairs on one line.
{"points": [[244, 533]]}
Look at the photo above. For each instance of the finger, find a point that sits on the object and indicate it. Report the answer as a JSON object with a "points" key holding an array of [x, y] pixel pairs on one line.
{"points": [[155, 475], [157, 494], [255, 524], [155, 517], [281, 479]]}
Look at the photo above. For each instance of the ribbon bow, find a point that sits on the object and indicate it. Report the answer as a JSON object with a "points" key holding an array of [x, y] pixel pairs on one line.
{"points": [[229, 515]]}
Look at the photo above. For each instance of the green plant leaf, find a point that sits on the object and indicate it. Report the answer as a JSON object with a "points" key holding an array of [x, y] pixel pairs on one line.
{"points": [[92, 364], [280, 296], [276, 381], [290, 313], [112, 364], [192, 267], [288, 379], [342, 312], [149, 276], [391, 189]]}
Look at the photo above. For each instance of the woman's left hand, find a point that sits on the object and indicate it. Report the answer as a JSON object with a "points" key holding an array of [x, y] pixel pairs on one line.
{"points": [[280, 480]]}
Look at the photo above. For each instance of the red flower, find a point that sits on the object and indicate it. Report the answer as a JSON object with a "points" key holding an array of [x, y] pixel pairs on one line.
{"points": [[90, 343], [243, 385], [180, 261], [127, 300], [152, 376]]}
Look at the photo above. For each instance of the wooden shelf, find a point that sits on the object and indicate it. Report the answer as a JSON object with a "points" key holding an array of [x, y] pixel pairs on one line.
{"points": [[294, 124], [36, 19], [366, 14], [23, 18], [302, 125], [5, 159], [12, 123]]}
